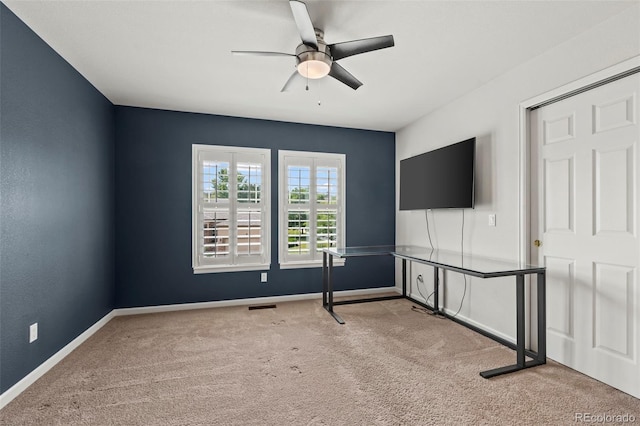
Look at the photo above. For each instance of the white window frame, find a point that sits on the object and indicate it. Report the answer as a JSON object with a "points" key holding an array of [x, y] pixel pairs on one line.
{"points": [[233, 155], [313, 160]]}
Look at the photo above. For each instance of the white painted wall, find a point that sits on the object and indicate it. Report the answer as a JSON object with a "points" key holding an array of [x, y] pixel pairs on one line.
{"points": [[490, 113]]}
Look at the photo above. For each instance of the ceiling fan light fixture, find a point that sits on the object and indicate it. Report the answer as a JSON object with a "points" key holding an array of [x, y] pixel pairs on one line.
{"points": [[313, 69], [312, 63]]}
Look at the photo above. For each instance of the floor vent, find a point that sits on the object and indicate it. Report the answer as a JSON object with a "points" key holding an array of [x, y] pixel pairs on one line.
{"points": [[251, 308]]}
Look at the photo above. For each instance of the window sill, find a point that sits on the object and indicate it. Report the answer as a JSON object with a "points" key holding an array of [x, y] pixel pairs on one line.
{"points": [[315, 264], [230, 268]]}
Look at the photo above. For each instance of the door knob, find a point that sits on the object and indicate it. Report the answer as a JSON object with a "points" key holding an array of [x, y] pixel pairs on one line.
{"points": [[537, 243]]}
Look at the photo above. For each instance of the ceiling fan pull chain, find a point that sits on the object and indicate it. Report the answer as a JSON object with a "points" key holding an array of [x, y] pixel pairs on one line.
{"points": [[307, 76]]}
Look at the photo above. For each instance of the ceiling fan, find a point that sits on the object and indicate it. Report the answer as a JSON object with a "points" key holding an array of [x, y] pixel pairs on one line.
{"points": [[316, 59]]}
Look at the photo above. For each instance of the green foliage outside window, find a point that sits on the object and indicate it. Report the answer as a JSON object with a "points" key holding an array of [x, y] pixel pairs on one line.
{"points": [[246, 191]]}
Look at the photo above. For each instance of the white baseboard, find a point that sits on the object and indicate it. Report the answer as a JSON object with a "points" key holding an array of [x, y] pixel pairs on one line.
{"points": [[15, 390], [470, 321], [30, 378], [250, 301], [482, 326]]}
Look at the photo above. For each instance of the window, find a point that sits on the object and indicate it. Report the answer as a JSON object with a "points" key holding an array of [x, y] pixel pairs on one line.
{"points": [[231, 206], [311, 205]]}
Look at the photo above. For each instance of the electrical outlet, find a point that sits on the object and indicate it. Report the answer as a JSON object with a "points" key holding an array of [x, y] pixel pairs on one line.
{"points": [[263, 277], [33, 332], [492, 220]]}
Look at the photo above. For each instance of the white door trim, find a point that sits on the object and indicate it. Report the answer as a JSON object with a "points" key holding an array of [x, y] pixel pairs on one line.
{"points": [[524, 175]]}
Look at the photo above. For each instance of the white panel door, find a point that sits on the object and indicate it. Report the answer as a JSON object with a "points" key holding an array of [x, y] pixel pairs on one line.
{"points": [[585, 187]]}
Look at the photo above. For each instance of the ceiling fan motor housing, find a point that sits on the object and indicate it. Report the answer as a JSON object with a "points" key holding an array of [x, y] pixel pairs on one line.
{"points": [[312, 63]]}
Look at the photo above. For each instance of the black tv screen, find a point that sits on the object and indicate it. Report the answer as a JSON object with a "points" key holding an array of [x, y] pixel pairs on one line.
{"points": [[439, 179]]}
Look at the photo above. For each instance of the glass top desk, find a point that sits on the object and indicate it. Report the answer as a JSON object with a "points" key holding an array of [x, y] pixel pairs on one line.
{"points": [[468, 264]]}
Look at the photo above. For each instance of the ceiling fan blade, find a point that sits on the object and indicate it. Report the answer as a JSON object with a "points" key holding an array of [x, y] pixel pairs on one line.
{"points": [[344, 76], [258, 53], [290, 81], [304, 24], [355, 47]]}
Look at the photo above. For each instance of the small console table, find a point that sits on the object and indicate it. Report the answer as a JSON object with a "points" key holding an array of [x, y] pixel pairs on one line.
{"points": [[467, 264]]}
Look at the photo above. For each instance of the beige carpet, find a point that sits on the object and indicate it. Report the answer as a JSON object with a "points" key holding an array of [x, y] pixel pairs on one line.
{"points": [[294, 365]]}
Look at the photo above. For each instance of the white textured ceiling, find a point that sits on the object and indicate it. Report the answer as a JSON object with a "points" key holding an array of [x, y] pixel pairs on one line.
{"points": [[176, 54]]}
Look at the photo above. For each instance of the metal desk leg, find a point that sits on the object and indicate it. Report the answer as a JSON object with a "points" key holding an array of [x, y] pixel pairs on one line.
{"points": [[436, 290], [324, 278], [520, 330], [542, 318], [521, 362], [330, 283], [329, 306], [404, 277]]}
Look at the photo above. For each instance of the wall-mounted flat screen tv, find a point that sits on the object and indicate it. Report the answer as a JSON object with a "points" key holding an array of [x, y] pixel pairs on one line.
{"points": [[439, 179]]}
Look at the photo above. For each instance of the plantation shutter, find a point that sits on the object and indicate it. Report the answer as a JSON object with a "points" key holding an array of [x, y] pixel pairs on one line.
{"points": [[312, 207], [231, 207]]}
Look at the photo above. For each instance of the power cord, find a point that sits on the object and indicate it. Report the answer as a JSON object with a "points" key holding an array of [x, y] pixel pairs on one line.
{"points": [[464, 276], [419, 277], [419, 280], [426, 216], [423, 310]]}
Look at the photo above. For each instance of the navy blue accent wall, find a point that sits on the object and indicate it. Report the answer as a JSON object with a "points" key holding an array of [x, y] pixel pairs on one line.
{"points": [[95, 203], [153, 206], [56, 201]]}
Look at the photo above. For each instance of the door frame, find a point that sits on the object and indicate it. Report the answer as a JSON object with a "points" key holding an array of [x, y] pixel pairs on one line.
{"points": [[599, 78]]}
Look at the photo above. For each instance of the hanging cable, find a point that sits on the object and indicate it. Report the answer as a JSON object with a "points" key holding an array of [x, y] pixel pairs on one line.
{"points": [[419, 280], [464, 293], [426, 300], [422, 310], [426, 216]]}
